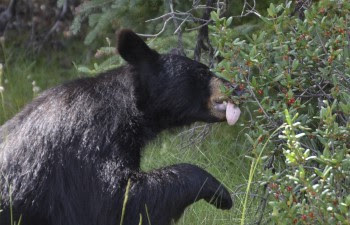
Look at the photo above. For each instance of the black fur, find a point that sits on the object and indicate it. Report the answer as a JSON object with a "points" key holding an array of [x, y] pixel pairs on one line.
{"points": [[66, 158]]}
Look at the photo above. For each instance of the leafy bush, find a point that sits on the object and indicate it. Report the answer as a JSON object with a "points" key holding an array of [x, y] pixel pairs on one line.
{"points": [[104, 15], [296, 76]]}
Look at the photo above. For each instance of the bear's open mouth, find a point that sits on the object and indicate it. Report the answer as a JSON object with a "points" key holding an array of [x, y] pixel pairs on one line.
{"points": [[220, 105], [232, 111]]}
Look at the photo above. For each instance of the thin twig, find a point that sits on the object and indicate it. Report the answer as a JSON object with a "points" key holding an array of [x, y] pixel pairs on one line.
{"points": [[178, 29], [159, 33], [59, 19]]}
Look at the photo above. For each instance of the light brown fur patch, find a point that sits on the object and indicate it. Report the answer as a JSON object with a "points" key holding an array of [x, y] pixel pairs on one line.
{"points": [[216, 95]]}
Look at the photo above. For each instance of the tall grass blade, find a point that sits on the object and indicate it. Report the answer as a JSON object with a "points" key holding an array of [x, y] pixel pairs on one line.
{"points": [[251, 175], [125, 201]]}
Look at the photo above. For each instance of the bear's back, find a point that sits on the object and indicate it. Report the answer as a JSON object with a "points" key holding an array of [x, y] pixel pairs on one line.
{"points": [[78, 118]]}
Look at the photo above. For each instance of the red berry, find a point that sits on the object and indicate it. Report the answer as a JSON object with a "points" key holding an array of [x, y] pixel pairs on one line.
{"points": [[260, 92], [241, 87], [330, 59], [260, 139], [273, 186], [289, 188], [342, 31], [291, 101], [249, 63], [304, 217], [311, 215]]}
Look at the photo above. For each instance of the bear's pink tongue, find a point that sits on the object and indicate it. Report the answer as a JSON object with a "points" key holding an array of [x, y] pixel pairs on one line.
{"points": [[232, 113]]}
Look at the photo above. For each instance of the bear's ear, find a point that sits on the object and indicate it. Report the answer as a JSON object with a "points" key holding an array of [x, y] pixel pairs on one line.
{"points": [[133, 49]]}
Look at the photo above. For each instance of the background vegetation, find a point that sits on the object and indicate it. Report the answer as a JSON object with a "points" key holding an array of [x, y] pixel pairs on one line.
{"points": [[287, 161]]}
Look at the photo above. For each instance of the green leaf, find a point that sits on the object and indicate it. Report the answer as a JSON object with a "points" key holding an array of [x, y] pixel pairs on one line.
{"points": [[221, 75], [343, 208], [288, 4], [326, 152], [84, 69], [288, 119], [262, 36], [214, 16], [251, 141], [318, 172], [326, 171], [278, 78], [301, 172], [271, 10], [254, 83], [229, 21], [295, 64], [347, 200], [339, 217]]}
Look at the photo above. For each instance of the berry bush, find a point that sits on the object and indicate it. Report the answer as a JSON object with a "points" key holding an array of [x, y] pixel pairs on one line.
{"points": [[295, 73]]}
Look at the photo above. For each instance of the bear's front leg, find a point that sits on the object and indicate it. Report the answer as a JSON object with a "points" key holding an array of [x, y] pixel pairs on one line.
{"points": [[162, 195]]}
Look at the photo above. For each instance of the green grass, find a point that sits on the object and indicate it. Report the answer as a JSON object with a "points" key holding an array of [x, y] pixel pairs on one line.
{"points": [[221, 152], [21, 68]]}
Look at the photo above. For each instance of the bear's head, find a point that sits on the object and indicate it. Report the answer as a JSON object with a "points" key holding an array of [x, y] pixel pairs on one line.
{"points": [[173, 90]]}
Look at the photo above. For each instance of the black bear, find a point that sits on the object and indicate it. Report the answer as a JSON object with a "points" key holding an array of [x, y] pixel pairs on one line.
{"points": [[67, 157]]}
